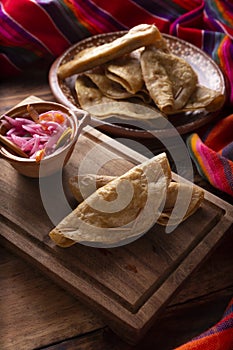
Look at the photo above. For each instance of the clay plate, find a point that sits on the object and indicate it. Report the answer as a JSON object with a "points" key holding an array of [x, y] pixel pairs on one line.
{"points": [[209, 75]]}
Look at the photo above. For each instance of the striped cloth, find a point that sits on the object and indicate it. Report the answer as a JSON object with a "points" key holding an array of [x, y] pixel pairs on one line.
{"points": [[218, 337], [212, 152], [34, 29], [31, 30]]}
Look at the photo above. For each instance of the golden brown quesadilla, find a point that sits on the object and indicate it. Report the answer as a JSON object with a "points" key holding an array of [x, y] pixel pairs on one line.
{"points": [[139, 36], [82, 186], [169, 79], [126, 70], [168, 217], [124, 208], [108, 87]]}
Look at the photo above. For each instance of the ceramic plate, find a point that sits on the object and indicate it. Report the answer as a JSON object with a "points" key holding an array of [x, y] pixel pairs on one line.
{"points": [[209, 75]]}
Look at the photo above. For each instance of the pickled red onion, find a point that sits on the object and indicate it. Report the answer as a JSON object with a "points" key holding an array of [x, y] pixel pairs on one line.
{"points": [[37, 139]]}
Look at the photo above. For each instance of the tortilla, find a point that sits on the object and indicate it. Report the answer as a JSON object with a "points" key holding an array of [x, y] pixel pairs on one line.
{"points": [[124, 208], [92, 100], [108, 87], [126, 71], [141, 35], [124, 110], [169, 79], [167, 217], [203, 98], [88, 94], [83, 186]]}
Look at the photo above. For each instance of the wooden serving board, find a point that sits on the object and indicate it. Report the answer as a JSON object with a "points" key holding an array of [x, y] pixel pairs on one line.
{"points": [[128, 285]]}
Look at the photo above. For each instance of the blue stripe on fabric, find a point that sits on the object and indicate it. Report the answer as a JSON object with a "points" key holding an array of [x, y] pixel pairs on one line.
{"points": [[212, 20], [215, 39], [227, 172], [216, 13]]}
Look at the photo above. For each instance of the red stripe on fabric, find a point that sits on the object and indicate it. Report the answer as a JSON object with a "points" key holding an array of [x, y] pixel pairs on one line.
{"points": [[217, 174], [224, 53], [192, 35], [130, 14], [37, 23], [228, 30], [210, 342], [221, 134], [187, 4]]}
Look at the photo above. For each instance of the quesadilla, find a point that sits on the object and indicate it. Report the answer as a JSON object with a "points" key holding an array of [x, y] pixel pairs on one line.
{"points": [[168, 217], [203, 98], [139, 36], [169, 79], [123, 208], [108, 87], [126, 71], [88, 93], [83, 186]]}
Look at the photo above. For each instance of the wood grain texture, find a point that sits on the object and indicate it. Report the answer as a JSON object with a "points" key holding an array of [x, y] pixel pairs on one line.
{"points": [[35, 303], [127, 285], [199, 303], [34, 311]]}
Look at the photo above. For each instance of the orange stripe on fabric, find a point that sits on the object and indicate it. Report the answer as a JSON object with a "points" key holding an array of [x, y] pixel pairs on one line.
{"points": [[194, 145], [79, 16], [222, 9], [218, 341]]}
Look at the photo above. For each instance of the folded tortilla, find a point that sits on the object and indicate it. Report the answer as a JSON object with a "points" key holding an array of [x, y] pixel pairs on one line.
{"points": [[203, 98], [141, 35], [126, 71], [123, 208], [114, 88], [108, 87], [88, 93], [169, 79], [83, 186], [168, 217]]}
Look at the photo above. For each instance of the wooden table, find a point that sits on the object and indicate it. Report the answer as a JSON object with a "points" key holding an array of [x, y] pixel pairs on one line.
{"points": [[36, 313]]}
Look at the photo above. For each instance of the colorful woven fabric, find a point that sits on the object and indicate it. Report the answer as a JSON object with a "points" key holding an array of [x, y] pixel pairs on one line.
{"points": [[219, 337], [212, 153], [34, 29]]}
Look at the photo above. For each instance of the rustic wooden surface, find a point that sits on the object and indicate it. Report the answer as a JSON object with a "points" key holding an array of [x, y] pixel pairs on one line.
{"points": [[36, 313]]}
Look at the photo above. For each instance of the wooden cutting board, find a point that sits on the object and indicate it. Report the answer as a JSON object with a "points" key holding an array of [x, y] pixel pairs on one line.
{"points": [[129, 285]]}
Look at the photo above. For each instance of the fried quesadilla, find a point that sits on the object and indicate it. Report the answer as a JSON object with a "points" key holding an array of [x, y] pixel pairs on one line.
{"points": [[137, 69], [123, 208], [83, 185], [108, 87], [88, 93], [127, 72], [203, 97], [92, 100], [168, 217], [169, 79], [139, 36]]}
